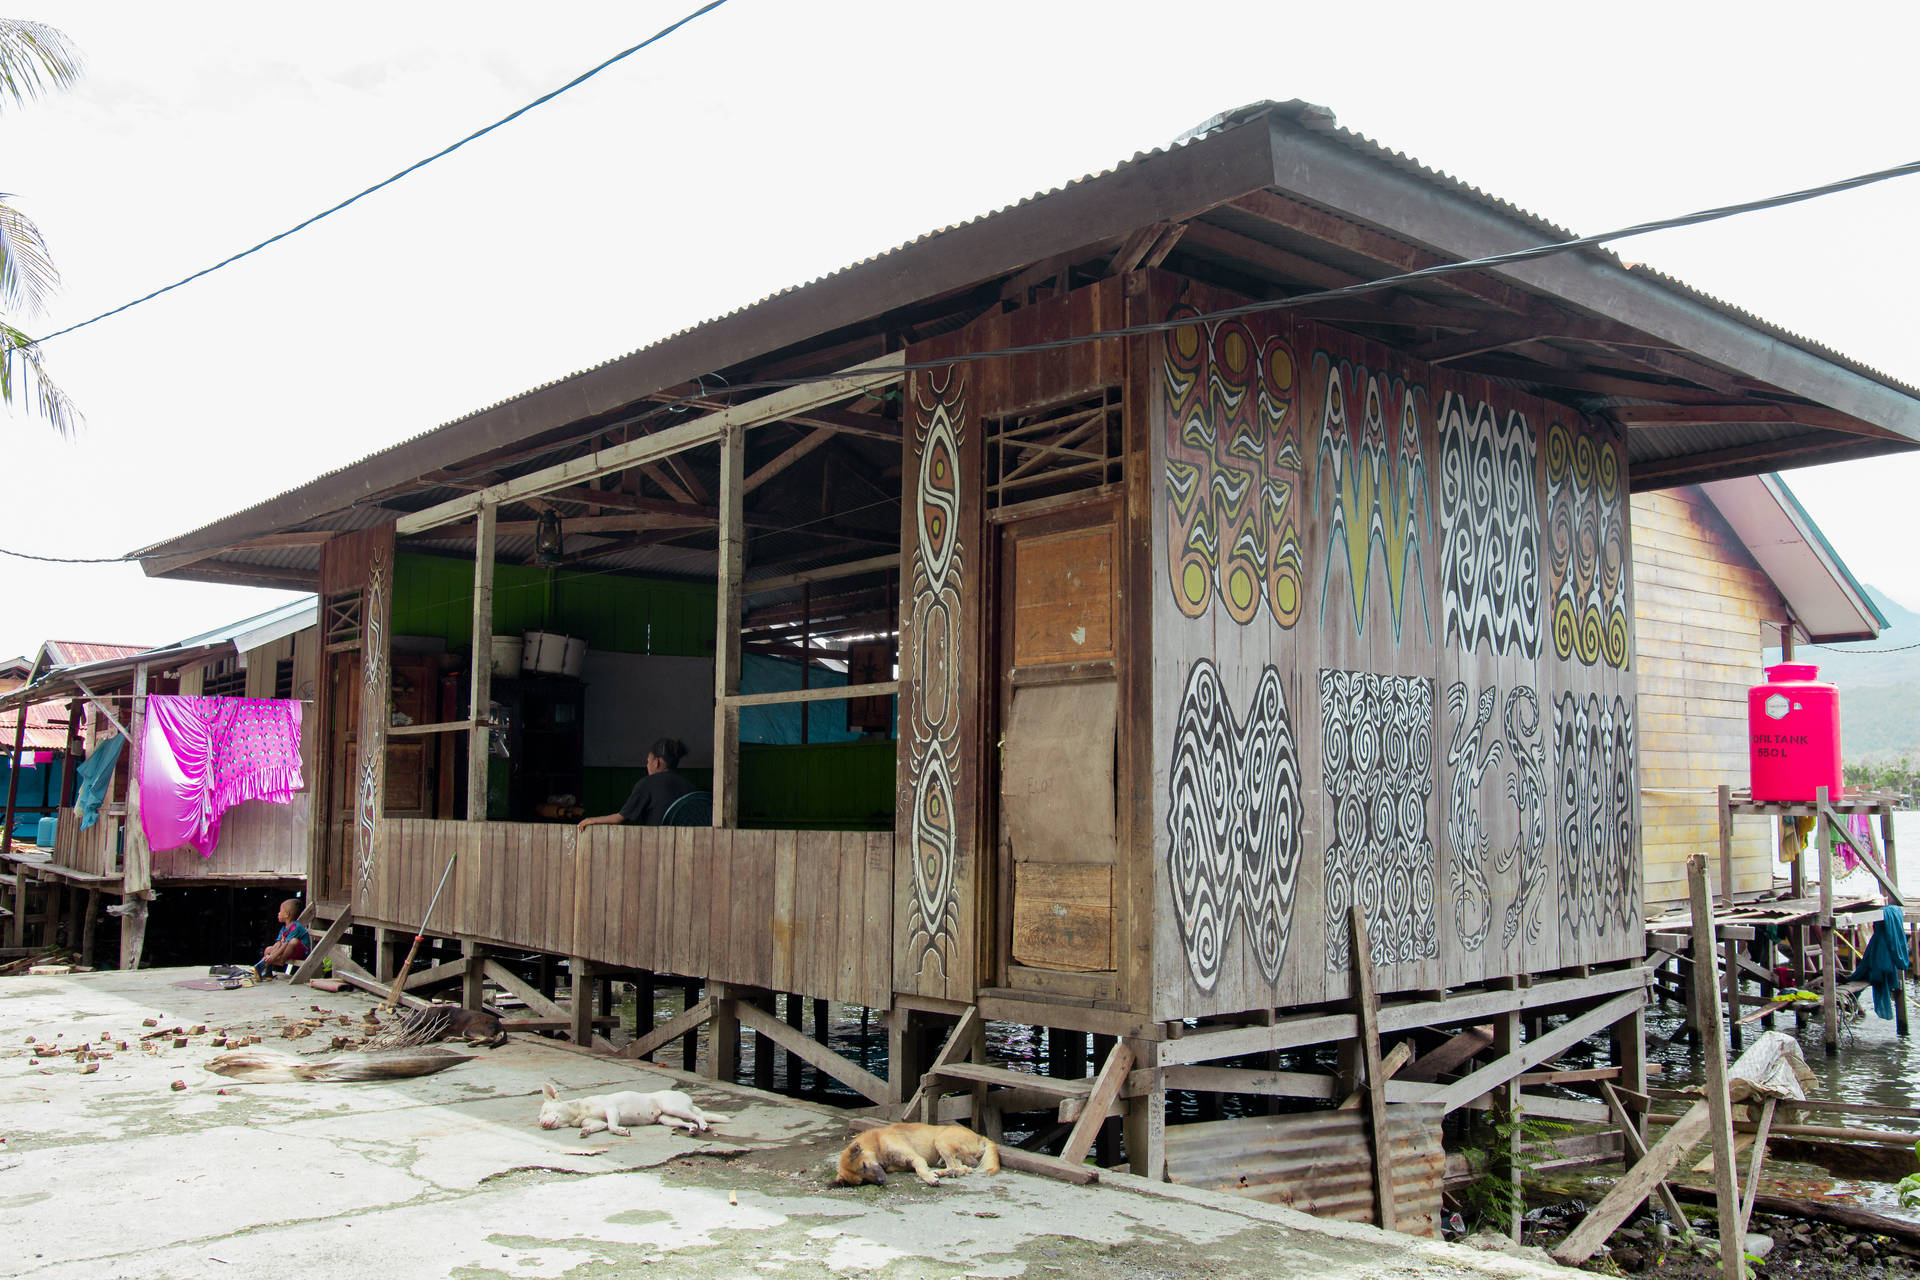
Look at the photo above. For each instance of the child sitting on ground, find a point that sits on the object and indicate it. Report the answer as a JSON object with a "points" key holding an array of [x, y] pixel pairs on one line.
{"points": [[290, 945]]}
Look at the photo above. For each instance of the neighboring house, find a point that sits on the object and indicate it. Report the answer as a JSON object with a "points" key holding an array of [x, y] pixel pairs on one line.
{"points": [[40, 754], [1720, 570], [1242, 615], [98, 690]]}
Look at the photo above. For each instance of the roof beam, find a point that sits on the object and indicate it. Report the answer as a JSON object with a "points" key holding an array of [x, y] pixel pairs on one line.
{"points": [[664, 444], [1326, 172], [1687, 415]]}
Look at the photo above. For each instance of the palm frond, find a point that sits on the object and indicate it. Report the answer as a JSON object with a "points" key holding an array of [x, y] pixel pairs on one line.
{"points": [[23, 376], [27, 274], [34, 57]]}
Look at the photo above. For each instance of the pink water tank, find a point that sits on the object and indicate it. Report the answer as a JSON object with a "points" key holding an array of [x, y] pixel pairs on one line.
{"points": [[1793, 734]]}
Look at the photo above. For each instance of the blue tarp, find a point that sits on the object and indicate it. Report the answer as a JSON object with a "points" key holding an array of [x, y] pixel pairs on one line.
{"points": [[96, 775], [826, 721]]}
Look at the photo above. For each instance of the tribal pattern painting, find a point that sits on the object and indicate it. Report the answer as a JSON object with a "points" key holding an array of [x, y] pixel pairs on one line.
{"points": [[1376, 743], [1234, 823], [1233, 470], [938, 563], [1370, 456], [374, 698], [1490, 528], [1594, 767], [1471, 752], [1587, 548], [1527, 788]]}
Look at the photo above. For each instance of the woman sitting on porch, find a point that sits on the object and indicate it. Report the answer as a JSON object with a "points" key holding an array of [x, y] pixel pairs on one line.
{"points": [[647, 803]]}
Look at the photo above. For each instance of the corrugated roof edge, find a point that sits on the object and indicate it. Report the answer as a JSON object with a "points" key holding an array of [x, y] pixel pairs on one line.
{"points": [[1305, 114]]}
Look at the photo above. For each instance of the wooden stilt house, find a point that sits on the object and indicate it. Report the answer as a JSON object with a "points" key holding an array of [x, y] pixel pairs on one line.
{"points": [[102, 691], [1262, 638]]}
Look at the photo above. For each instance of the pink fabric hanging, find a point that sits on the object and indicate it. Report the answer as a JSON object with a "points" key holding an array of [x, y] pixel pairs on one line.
{"points": [[201, 756]]}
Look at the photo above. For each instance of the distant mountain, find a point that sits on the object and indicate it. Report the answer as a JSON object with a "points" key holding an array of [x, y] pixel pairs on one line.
{"points": [[1879, 683]]}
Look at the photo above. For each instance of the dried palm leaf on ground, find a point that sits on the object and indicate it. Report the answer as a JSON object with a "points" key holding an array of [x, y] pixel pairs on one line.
{"points": [[261, 1066]]}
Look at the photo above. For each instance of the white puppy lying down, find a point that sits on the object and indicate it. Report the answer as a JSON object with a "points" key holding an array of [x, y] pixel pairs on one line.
{"points": [[615, 1111]]}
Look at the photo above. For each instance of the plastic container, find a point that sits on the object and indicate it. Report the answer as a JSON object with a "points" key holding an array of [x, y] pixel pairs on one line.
{"points": [[49, 829], [1793, 735], [575, 659], [544, 652], [506, 655]]}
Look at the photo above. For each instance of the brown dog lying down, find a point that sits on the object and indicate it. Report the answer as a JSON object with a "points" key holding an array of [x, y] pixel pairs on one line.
{"points": [[451, 1022], [915, 1146]]}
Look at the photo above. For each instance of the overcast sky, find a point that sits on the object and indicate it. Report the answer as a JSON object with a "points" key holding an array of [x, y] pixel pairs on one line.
{"points": [[773, 141]]}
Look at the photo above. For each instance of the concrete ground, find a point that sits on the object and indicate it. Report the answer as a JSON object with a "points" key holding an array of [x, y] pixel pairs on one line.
{"points": [[116, 1173]]}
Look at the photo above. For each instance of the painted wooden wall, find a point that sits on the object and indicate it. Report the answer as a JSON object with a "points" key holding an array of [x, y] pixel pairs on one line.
{"points": [[1700, 604], [1392, 670], [948, 938]]}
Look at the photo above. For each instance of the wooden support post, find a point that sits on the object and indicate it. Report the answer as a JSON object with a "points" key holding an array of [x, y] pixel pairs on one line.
{"points": [[1633, 1140], [1367, 1005], [726, 647], [473, 983], [643, 1012], [925, 1101], [136, 866], [86, 927], [1629, 1038], [723, 1034], [1144, 1130], [1106, 1087], [13, 776], [690, 1047], [480, 686], [1829, 959], [1719, 1110], [133, 931], [1759, 1160], [328, 941], [1885, 853], [69, 771], [762, 1047], [903, 1067], [580, 1001], [795, 1012], [1730, 961], [1506, 1106], [17, 926]]}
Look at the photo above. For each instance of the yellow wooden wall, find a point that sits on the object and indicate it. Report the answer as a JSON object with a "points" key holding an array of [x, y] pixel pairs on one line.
{"points": [[1700, 603]]}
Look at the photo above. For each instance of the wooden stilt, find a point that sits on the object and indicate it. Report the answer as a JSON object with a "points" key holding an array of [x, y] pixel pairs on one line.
{"points": [[1144, 1129], [1367, 1005], [321, 949], [133, 932], [795, 1015], [1506, 1102], [1829, 960], [903, 1067], [580, 1000], [723, 1034], [93, 915], [690, 1048], [1719, 1110], [473, 984]]}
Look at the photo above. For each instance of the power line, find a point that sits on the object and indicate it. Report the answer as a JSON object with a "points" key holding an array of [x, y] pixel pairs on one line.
{"points": [[1145, 328], [580, 79]]}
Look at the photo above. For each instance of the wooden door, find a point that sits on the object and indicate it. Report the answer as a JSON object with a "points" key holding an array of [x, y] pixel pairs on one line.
{"points": [[409, 791], [1058, 704]]}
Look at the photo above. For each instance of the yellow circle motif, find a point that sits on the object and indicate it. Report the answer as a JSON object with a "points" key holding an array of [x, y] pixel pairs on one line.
{"points": [[1240, 587], [1186, 340], [1280, 368], [1284, 596], [1193, 581]]}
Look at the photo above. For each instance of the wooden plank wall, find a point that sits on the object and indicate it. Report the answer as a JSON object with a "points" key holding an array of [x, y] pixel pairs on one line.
{"points": [[95, 851], [1392, 633], [1703, 609], [944, 912], [799, 911]]}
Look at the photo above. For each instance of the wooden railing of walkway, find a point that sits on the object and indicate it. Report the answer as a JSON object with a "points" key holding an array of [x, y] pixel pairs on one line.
{"points": [[808, 912]]}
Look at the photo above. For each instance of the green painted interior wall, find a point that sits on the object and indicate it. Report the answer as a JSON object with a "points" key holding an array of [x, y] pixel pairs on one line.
{"points": [[847, 786], [835, 786], [433, 596]]}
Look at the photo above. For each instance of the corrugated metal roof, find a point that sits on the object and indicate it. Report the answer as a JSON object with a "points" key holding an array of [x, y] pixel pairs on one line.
{"points": [[65, 653], [1297, 114]]}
